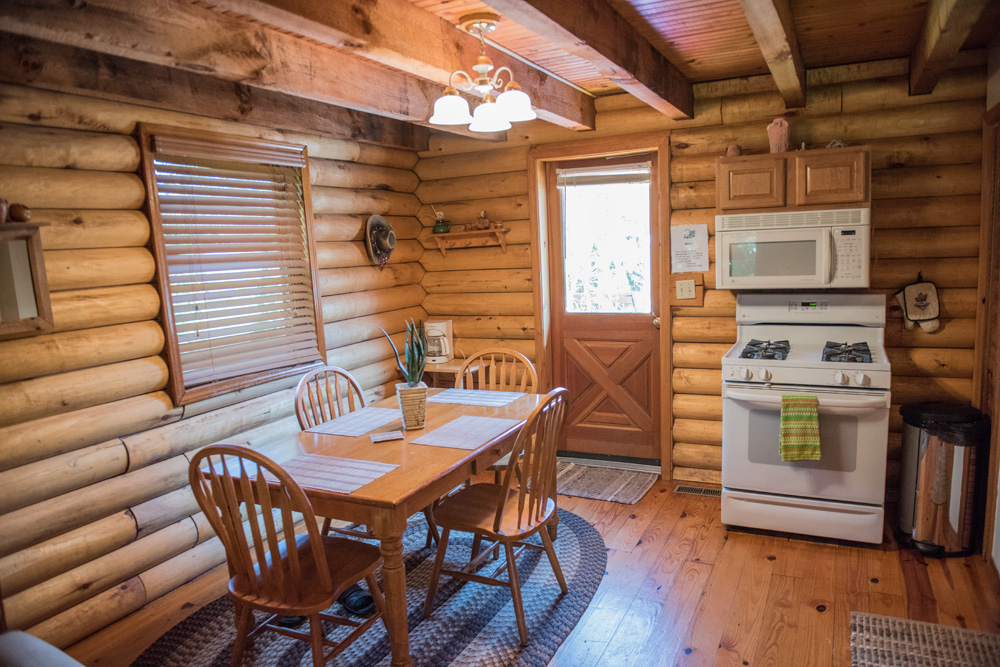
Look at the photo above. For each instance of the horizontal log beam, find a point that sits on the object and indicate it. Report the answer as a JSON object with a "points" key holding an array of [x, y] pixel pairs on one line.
{"points": [[595, 31], [400, 35], [944, 31], [774, 30]]}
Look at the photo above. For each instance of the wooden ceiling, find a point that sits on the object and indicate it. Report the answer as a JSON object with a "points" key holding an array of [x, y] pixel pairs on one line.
{"points": [[712, 39], [292, 59]]}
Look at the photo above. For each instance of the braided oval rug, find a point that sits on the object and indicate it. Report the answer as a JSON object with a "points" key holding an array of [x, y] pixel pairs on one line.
{"points": [[472, 624]]}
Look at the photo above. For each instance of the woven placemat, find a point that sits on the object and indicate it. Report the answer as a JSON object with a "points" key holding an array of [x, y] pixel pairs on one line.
{"points": [[884, 641], [471, 625], [492, 399], [358, 422], [466, 432], [614, 484]]}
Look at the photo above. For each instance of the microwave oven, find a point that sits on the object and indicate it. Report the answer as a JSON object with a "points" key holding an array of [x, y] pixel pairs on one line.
{"points": [[793, 249]]}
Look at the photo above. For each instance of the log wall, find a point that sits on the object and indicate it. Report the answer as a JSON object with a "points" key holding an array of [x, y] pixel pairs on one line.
{"points": [[96, 517], [926, 154]]}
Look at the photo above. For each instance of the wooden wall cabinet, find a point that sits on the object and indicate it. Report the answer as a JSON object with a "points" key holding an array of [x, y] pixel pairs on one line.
{"points": [[826, 177], [754, 181]]}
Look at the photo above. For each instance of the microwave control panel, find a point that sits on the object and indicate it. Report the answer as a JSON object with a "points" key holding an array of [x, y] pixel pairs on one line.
{"points": [[850, 264]]}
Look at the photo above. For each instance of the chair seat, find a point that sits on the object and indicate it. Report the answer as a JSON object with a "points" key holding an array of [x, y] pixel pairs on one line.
{"points": [[348, 562], [474, 509]]}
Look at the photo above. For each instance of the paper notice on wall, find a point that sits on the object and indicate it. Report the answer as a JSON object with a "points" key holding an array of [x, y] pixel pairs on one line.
{"points": [[688, 248]]}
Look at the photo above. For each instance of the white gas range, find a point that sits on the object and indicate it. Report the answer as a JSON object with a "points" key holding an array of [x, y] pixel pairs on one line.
{"points": [[830, 346]]}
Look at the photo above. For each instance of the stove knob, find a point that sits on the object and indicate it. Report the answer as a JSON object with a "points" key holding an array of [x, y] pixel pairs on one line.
{"points": [[840, 377], [745, 374], [862, 379], [765, 374]]}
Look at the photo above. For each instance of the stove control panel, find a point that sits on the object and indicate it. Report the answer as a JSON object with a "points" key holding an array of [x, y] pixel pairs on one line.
{"points": [[807, 306], [840, 377]]}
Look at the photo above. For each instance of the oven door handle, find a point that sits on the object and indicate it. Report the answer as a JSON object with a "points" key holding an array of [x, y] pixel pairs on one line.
{"points": [[861, 403]]}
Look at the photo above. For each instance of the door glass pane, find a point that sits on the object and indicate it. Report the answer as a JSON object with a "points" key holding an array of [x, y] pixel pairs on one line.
{"points": [[606, 239]]}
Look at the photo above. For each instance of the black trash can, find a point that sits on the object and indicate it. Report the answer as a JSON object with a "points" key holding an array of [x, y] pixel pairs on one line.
{"points": [[943, 477]]}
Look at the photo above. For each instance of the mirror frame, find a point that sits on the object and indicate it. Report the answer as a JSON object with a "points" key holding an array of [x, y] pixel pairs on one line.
{"points": [[41, 323]]}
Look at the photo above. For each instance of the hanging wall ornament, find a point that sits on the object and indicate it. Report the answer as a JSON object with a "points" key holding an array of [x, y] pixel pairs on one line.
{"points": [[380, 239], [919, 302]]}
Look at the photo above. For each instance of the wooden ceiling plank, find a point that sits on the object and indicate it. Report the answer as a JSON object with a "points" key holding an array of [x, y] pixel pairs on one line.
{"points": [[947, 26], [71, 70], [181, 35], [398, 34], [772, 26], [595, 31]]}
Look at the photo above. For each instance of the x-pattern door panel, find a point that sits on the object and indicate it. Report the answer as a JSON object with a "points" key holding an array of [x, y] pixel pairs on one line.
{"points": [[613, 381]]}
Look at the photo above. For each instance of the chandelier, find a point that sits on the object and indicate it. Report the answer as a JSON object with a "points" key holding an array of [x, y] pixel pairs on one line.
{"points": [[492, 114]]}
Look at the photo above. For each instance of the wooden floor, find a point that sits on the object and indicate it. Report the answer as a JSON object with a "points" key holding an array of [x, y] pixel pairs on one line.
{"points": [[681, 589]]}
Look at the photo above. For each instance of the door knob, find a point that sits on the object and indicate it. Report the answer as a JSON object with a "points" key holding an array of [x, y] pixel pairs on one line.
{"points": [[656, 321]]}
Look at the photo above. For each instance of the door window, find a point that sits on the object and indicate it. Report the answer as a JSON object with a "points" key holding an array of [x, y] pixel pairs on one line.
{"points": [[606, 240]]}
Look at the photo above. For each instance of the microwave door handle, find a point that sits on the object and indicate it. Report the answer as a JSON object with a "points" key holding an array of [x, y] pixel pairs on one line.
{"points": [[826, 255], [775, 399]]}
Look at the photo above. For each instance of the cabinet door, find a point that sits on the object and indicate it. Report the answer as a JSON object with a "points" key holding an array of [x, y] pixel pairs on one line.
{"points": [[750, 182], [831, 177]]}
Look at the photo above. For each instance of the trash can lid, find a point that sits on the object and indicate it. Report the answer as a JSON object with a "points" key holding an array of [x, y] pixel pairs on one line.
{"points": [[918, 414]]}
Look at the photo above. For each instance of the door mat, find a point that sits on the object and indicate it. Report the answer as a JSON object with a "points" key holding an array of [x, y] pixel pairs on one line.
{"points": [[614, 484], [472, 624], [884, 641]]}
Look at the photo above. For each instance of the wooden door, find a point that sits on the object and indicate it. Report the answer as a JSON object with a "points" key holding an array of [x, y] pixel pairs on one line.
{"points": [[605, 289]]}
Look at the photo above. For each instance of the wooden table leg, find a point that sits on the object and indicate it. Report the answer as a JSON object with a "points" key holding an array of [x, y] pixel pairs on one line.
{"points": [[389, 530]]}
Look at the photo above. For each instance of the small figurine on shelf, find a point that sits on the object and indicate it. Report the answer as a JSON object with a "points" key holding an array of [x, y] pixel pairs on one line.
{"points": [[482, 222]]}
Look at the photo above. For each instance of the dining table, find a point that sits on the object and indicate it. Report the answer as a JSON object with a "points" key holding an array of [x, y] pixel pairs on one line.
{"points": [[416, 475]]}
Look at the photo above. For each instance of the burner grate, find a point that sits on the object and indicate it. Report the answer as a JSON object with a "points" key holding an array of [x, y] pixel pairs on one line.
{"points": [[759, 349], [847, 353]]}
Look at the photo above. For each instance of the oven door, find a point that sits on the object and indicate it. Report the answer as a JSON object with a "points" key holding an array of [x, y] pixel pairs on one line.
{"points": [[774, 259], [853, 428]]}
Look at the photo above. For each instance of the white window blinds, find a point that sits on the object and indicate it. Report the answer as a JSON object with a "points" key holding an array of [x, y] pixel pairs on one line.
{"points": [[239, 289], [604, 174]]}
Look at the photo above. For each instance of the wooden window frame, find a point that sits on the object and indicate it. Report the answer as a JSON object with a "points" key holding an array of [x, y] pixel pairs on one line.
{"points": [[42, 322], [238, 149]]}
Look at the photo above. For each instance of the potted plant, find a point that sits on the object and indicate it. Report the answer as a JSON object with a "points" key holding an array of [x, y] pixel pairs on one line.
{"points": [[412, 394]]}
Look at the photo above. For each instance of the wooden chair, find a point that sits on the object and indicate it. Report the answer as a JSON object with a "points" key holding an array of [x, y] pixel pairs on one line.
{"points": [[326, 393], [497, 369], [511, 512], [272, 570], [323, 394]]}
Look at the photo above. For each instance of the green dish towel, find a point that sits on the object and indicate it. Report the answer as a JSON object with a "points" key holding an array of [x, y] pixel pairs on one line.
{"points": [[799, 434]]}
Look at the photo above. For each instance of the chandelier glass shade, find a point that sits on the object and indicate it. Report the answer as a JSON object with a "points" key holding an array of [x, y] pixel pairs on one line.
{"points": [[492, 114]]}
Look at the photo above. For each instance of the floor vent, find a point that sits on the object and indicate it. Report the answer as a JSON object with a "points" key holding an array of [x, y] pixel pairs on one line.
{"points": [[697, 491]]}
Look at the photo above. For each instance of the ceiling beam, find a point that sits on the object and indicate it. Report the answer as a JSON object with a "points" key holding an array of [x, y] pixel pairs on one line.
{"points": [[945, 30], [772, 26], [398, 34], [596, 32], [67, 69], [181, 35]]}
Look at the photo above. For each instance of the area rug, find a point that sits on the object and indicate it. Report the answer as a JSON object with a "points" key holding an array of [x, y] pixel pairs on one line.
{"points": [[614, 484], [472, 624], [884, 641]]}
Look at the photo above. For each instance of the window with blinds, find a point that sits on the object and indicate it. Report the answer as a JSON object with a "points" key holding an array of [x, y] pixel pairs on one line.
{"points": [[231, 219]]}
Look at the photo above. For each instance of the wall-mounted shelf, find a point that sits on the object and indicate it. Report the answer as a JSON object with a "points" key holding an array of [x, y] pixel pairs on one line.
{"points": [[477, 239]]}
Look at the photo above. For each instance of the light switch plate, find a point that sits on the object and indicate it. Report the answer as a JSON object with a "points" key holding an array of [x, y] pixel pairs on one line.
{"points": [[685, 289]]}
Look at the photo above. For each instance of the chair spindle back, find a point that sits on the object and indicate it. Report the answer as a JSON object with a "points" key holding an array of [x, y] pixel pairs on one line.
{"points": [[230, 483], [326, 393], [533, 462], [498, 370]]}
